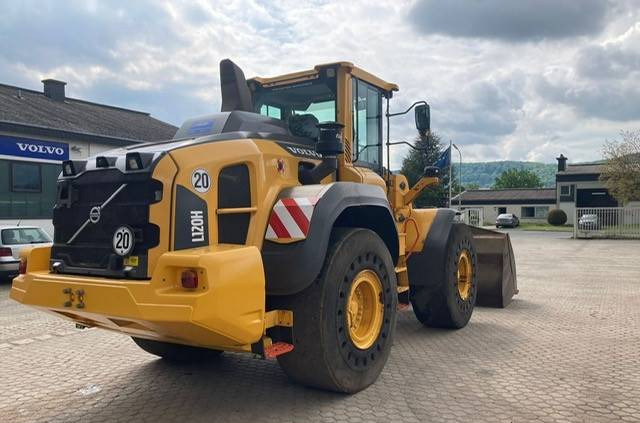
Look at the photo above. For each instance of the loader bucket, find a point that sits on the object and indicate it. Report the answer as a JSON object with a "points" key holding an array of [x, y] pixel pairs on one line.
{"points": [[496, 269]]}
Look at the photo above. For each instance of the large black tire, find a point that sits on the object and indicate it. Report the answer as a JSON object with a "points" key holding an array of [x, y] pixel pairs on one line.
{"points": [[324, 355], [176, 352], [445, 307]]}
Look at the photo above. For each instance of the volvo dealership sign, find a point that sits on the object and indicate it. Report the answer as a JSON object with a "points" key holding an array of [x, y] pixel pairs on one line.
{"points": [[33, 149]]}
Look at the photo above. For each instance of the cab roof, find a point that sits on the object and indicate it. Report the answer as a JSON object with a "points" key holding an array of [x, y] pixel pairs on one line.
{"points": [[313, 73]]}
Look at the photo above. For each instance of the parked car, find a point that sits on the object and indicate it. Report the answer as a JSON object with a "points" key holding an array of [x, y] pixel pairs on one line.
{"points": [[588, 222], [507, 220], [12, 240]]}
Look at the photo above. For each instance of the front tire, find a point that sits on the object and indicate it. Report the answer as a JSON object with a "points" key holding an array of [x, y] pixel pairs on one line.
{"points": [[343, 323], [176, 352], [451, 304]]}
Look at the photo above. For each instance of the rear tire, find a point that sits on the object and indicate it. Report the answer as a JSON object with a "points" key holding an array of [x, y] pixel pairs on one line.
{"points": [[176, 352], [343, 324], [452, 302]]}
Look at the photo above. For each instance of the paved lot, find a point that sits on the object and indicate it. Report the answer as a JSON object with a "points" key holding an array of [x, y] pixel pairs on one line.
{"points": [[568, 349]]}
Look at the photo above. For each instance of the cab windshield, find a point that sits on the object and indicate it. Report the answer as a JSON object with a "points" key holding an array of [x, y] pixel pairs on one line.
{"points": [[301, 105]]}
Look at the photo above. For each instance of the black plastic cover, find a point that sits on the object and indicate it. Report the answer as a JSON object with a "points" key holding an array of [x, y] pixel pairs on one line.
{"points": [[191, 220], [91, 251]]}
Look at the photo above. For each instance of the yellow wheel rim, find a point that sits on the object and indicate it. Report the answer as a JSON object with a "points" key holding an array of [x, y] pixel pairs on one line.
{"points": [[365, 309], [465, 274]]}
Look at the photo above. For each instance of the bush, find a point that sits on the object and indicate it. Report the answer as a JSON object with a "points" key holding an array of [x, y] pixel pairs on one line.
{"points": [[557, 217]]}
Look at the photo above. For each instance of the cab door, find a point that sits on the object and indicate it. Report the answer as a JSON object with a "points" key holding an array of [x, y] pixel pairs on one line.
{"points": [[367, 125]]}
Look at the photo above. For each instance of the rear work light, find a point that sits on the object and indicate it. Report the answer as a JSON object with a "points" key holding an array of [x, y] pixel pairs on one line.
{"points": [[5, 252], [22, 268], [68, 168], [189, 279]]}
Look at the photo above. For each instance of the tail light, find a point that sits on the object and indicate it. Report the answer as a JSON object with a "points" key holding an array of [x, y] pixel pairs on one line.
{"points": [[189, 279], [5, 252], [22, 268]]}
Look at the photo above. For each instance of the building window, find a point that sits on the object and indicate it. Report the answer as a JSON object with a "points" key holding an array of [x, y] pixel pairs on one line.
{"points": [[23, 196], [535, 212], [25, 177], [565, 190], [502, 210]]}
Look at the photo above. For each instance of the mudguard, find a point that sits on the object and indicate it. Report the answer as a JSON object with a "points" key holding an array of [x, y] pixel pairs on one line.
{"points": [[291, 267], [426, 268]]}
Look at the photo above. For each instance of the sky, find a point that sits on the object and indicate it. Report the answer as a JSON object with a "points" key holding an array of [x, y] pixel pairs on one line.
{"points": [[506, 80]]}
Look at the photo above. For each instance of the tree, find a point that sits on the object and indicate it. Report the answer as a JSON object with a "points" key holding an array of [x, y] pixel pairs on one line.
{"points": [[413, 168], [517, 178], [472, 186], [621, 171]]}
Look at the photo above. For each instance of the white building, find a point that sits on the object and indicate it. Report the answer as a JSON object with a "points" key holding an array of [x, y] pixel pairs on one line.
{"points": [[529, 204], [577, 185]]}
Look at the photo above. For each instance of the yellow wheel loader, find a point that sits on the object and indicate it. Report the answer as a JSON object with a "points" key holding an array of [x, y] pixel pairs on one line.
{"points": [[270, 228]]}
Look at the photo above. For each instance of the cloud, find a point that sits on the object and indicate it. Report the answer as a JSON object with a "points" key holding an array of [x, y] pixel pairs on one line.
{"points": [[497, 99], [613, 101], [618, 58], [603, 82], [510, 20]]}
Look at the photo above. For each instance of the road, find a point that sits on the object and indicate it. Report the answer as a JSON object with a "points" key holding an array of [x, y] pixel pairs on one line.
{"points": [[567, 349]]}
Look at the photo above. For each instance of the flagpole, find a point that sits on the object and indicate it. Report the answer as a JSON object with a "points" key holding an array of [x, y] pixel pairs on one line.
{"points": [[450, 166]]}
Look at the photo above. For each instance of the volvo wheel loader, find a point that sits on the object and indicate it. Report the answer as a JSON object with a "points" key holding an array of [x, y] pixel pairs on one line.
{"points": [[270, 228]]}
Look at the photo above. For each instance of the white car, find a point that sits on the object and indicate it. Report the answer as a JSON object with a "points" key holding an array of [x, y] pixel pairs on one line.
{"points": [[12, 240]]}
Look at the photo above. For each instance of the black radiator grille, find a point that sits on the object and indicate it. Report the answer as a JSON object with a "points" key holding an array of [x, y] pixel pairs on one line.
{"points": [[91, 252], [234, 191]]}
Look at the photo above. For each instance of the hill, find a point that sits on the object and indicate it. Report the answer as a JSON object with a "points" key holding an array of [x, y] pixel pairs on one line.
{"points": [[485, 173]]}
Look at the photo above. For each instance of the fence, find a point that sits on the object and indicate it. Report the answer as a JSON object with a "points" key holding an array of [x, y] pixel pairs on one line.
{"points": [[607, 222], [473, 217]]}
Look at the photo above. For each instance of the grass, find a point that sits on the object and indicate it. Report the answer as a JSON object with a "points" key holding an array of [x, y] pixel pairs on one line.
{"points": [[545, 227]]}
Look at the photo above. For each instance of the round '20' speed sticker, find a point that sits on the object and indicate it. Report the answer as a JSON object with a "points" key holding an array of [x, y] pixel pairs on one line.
{"points": [[123, 241], [201, 180]]}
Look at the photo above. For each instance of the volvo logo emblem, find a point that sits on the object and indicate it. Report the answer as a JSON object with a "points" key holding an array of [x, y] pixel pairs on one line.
{"points": [[94, 214]]}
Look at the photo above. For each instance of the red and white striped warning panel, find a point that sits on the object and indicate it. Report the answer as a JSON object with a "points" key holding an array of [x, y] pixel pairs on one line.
{"points": [[291, 215], [290, 219]]}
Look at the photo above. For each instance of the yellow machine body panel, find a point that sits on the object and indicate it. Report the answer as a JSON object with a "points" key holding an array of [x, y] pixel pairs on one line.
{"points": [[226, 311]]}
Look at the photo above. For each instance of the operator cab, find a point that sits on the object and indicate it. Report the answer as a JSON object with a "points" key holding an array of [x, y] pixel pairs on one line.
{"points": [[304, 99]]}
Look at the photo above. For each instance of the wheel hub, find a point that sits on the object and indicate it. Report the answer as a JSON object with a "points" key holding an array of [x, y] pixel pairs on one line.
{"points": [[464, 274], [365, 309]]}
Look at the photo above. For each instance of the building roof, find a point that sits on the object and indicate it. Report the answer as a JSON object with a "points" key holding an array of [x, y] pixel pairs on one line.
{"points": [[20, 107], [582, 169], [508, 196]]}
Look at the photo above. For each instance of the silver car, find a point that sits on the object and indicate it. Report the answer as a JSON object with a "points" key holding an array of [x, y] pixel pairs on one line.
{"points": [[12, 240], [507, 220], [588, 222]]}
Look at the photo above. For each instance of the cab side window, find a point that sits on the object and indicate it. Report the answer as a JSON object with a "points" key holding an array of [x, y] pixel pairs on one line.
{"points": [[367, 124]]}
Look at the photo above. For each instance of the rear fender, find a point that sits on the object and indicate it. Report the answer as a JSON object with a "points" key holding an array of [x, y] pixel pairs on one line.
{"points": [[292, 264]]}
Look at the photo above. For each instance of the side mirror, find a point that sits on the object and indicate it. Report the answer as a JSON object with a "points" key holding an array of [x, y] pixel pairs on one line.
{"points": [[423, 118]]}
